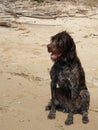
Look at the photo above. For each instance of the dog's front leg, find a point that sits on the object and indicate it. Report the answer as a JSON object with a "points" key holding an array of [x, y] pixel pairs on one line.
{"points": [[74, 95], [69, 119], [53, 97]]}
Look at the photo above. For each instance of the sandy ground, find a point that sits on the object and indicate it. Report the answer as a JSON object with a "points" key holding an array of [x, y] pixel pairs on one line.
{"points": [[24, 73]]}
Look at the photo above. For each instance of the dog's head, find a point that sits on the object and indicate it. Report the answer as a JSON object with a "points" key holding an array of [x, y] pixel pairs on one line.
{"points": [[62, 44]]}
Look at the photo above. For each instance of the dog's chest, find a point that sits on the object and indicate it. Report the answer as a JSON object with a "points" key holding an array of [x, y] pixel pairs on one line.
{"points": [[60, 74]]}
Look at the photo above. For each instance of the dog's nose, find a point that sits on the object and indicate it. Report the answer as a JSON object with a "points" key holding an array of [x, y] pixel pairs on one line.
{"points": [[48, 46]]}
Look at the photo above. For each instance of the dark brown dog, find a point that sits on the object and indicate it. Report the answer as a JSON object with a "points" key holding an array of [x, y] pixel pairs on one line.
{"points": [[68, 87]]}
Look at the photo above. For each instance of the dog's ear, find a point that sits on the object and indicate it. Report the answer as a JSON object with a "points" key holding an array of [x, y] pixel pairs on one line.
{"points": [[73, 51]]}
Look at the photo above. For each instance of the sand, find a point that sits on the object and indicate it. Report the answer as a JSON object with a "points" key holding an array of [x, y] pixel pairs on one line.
{"points": [[24, 72]]}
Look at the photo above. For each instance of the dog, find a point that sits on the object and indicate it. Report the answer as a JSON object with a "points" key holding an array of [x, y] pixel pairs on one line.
{"points": [[68, 86]]}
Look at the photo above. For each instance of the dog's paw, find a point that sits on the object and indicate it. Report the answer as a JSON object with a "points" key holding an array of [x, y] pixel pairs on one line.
{"points": [[51, 115], [85, 120], [69, 121]]}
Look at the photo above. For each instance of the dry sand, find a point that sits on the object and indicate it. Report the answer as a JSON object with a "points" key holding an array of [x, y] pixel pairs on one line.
{"points": [[24, 73]]}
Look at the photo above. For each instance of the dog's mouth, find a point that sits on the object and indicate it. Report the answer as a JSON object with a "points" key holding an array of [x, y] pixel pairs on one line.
{"points": [[55, 56], [54, 52]]}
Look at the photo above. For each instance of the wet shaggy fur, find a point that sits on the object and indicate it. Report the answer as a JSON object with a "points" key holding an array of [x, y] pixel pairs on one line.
{"points": [[68, 87]]}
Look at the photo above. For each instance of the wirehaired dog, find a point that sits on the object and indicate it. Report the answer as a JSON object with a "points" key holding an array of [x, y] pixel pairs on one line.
{"points": [[68, 87]]}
